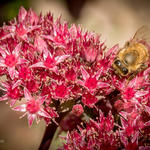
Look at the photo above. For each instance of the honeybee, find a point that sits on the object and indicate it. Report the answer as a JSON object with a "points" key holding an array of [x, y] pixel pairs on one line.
{"points": [[134, 56]]}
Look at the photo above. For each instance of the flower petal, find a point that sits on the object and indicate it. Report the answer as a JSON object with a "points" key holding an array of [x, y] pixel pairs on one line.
{"points": [[98, 73], [85, 74], [102, 85], [113, 50], [16, 84], [59, 59], [5, 85], [54, 69], [31, 118], [80, 82], [21, 61], [2, 88], [43, 114], [48, 37], [147, 109], [22, 14], [2, 60], [17, 49], [40, 44], [12, 72], [4, 98], [21, 108], [7, 36], [31, 28], [123, 139], [46, 53], [39, 64], [147, 123], [135, 136], [12, 102], [2, 64], [3, 53], [27, 94], [141, 93], [42, 99]]}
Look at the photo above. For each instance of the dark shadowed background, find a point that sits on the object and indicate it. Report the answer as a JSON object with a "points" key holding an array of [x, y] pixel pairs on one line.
{"points": [[115, 20]]}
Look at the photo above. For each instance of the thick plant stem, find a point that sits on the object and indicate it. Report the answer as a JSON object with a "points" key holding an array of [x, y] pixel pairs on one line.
{"points": [[48, 136], [49, 133]]}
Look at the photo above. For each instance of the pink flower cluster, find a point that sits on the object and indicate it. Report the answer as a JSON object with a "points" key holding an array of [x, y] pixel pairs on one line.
{"points": [[48, 64]]}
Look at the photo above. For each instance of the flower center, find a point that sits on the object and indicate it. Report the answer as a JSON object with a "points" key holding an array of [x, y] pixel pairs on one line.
{"points": [[70, 75], [129, 93], [91, 83], [20, 30], [89, 99], [61, 91], [10, 60], [33, 106], [50, 62], [14, 93]]}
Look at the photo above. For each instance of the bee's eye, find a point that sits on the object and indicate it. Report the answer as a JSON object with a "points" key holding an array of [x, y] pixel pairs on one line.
{"points": [[124, 70], [117, 63]]}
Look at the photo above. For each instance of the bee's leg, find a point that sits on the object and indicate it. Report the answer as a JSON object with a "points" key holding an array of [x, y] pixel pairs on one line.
{"points": [[131, 77], [141, 68]]}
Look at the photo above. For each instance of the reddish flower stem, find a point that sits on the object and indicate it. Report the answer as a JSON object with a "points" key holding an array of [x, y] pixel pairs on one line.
{"points": [[49, 133], [48, 136]]}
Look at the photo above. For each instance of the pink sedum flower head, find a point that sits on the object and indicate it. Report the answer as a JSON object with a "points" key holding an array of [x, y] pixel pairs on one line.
{"points": [[33, 107], [61, 70], [97, 135]]}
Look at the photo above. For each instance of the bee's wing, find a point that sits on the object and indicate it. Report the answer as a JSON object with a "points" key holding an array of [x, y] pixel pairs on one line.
{"points": [[142, 34]]}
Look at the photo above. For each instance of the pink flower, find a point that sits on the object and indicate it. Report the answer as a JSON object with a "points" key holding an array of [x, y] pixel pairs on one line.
{"points": [[60, 34], [11, 59], [12, 92], [50, 62], [24, 73], [91, 49], [107, 57], [71, 75], [119, 105], [33, 107], [131, 90], [89, 99], [98, 134], [52, 113], [61, 91], [46, 90], [91, 83], [24, 26], [77, 109], [40, 44], [32, 85]]}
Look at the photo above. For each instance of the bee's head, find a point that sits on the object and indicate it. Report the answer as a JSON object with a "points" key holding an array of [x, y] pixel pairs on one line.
{"points": [[120, 68]]}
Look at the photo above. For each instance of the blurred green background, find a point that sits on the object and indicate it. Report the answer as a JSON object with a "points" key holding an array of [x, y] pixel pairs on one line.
{"points": [[115, 20]]}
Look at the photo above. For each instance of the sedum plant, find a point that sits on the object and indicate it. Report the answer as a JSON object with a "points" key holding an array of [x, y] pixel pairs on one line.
{"points": [[63, 75]]}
